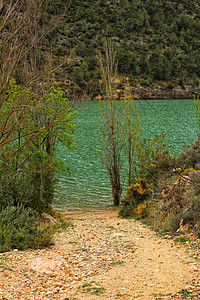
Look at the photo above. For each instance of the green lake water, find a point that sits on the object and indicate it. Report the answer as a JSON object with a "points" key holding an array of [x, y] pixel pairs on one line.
{"points": [[88, 187]]}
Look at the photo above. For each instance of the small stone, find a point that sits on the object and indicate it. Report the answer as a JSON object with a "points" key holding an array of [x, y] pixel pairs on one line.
{"points": [[136, 295], [48, 293], [169, 237], [195, 269], [189, 288]]}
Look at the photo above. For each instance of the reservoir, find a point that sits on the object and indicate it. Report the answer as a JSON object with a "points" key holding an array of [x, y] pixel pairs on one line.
{"points": [[88, 186]]}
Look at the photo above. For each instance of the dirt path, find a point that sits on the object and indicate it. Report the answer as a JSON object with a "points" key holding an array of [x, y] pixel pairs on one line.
{"points": [[102, 257]]}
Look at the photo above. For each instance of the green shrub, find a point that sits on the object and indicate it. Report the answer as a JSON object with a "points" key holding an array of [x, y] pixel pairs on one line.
{"points": [[152, 161], [144, 82], [190, 157], [170, 86], [174, 223], [152, 158], [181, 206], [19, 229]]}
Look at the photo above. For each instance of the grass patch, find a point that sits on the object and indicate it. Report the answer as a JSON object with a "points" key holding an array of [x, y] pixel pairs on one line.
{"points": [[116, 263], [4, 261], [110, 227], [91, 288], [4, 267], [182, 239], [123, 296], [73, 243], [185, 294], [157, 297]]}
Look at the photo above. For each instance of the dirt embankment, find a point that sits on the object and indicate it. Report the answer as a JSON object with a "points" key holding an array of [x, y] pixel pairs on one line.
{"points": [[161, 92]]}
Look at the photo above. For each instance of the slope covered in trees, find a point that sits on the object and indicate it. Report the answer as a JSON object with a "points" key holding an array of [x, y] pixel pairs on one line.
{"points": [[158, 42]]}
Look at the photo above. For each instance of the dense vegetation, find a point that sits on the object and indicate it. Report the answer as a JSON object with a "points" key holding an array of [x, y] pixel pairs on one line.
{"points": [[34, 117], [158, 42], [20, 229], [165, 191]]}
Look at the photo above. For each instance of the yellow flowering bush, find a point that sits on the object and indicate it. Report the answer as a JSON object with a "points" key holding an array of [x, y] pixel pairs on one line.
{"points": [[153, 166], [138, 191], [142, 210], [186, 172]]}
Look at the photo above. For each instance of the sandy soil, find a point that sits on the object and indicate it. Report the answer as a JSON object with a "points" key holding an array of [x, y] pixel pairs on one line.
{"points": [[102, 256]]}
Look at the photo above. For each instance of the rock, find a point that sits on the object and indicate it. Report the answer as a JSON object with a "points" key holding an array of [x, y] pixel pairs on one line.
{"points": [[49, 266], [49, 293], [49, 219], [169, 237], [117, 234], [63, 267]]}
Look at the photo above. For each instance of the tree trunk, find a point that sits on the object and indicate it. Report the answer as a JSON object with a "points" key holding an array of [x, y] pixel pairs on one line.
{"points": [[116, 189], [116, 192]]}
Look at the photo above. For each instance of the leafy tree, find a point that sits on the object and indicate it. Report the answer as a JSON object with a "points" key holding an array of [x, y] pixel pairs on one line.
{"points": [[78, 76], [143, 63], [166, 73], [176, 66], [168, 53], [156, 65], [32, 117], [27, 171]]}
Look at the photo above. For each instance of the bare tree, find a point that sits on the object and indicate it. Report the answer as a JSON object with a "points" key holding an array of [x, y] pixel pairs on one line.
{"points": [[131, 128], [19, 38], [110, 121]]}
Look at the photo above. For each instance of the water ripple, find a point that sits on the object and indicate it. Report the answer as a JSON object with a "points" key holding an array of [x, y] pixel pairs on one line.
{"points": [[88, 187]]}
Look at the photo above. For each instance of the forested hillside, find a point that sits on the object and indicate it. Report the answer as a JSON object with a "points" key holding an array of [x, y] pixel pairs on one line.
{"points": [[158, 42]]}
